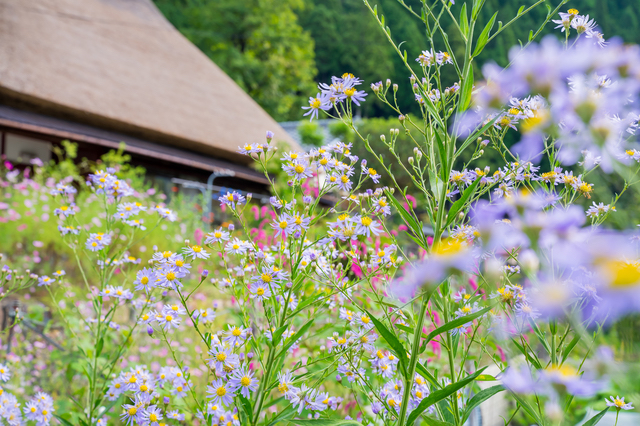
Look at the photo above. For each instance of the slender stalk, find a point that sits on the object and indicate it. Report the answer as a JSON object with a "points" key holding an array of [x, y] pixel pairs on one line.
{"points": [[413, 362], [454, 397]]}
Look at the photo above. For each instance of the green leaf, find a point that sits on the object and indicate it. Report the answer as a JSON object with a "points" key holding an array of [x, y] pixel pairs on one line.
{"points": [[431, 107], [111, 405], [532, 360], [285, 414], [99, 347], [433, 422], [442, 152], [479, 398], [422, 370], [485, 378], [326, 422], [595, 419], [475, 11], [63, 421], [540, 335], [477, 133], [306, 302], [438, 395], [484, 35], [411, 222], [295, 337], [466, 89], [246, 406], [464, 23], [437, 185], [393, 341], [567, 351], [526, 407], [275, 337], [520, 10], [460, 202], [405, 328], [456, 323]]}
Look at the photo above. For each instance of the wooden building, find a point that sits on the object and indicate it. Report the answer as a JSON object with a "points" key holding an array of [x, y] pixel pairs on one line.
{"points": [[101, 72]]}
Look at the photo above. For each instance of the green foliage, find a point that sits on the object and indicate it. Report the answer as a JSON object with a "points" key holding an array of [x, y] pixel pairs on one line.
{"points": [[348, 40], [258, 43], [310, 133], [271, 49]]}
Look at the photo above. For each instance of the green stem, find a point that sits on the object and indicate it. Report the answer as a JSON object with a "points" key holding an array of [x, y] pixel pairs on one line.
{"points": [[413, 362], [451, 356]]}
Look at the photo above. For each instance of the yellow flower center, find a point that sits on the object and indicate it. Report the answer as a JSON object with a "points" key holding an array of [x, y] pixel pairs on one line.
{"points": [[245, 381], [221, 391], [622, 274], [133, 411], [619, 403], [448, 247], [366, 221], [236, 332]]}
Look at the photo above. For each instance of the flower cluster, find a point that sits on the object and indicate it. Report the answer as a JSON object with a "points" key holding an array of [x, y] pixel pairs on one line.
{"points": [[341, 89]]}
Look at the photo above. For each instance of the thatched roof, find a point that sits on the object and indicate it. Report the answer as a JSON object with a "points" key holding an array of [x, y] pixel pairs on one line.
{"points": [[119, 65]]}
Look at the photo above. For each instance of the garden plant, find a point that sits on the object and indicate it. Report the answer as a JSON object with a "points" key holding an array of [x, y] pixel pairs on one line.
{"points": [[398, 305]]}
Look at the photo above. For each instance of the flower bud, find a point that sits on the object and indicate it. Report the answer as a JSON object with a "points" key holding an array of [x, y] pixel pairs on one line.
{"points": [[410, 160], [383, 138], [388, 82], [269, 136], [205, 273], [231, 227], [150, 330], [395, 87], [412, 79], [401, 118]]}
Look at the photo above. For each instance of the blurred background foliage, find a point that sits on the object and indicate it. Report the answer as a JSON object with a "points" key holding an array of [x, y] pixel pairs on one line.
{"points": [[277, 49]]}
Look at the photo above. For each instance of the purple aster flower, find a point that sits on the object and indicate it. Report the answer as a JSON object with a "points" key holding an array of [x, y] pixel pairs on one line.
{"points": [[243, 379]]}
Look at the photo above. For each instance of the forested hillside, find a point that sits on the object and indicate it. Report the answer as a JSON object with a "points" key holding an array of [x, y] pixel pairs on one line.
{"points": [[276, 49]]}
